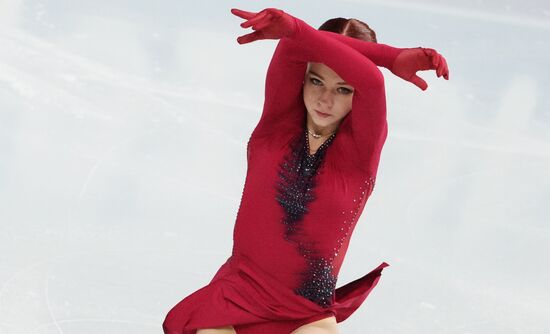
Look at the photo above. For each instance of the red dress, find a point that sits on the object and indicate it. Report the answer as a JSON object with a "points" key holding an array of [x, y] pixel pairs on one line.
{"points": [[298, 211]]}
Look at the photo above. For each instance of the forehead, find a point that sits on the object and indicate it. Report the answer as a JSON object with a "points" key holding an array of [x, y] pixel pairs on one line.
{"points": [[323, 70]]}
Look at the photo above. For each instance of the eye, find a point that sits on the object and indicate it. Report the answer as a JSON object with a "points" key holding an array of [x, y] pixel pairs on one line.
{"points": [[315, 81], [345, 91]]}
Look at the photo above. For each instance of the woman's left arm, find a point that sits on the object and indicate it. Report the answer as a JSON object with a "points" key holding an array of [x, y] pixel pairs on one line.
{"points": [[403, 62]]}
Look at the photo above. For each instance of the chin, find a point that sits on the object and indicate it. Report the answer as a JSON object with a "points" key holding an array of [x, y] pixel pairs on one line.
{"points": [[322, 121], [323, 124]]}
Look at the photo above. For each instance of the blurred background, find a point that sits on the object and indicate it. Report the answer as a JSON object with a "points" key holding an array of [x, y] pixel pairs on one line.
{"points": [[123, 131]]}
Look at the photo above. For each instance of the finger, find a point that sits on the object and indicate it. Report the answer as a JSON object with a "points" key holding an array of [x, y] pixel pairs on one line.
{"points": [[432, 61], [435, 60], [418, 81], [436, 64], [254, 20], [243, 14], [443, 69], [446, 68], [262, 25], [429, 52], [250, 37]]}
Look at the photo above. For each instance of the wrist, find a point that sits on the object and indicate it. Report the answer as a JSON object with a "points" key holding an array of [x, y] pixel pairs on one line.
{"points": [[294, 31], [391, 54]]}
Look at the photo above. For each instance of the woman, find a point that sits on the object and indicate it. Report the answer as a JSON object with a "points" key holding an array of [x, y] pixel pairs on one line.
{"points": [[312, 163]]}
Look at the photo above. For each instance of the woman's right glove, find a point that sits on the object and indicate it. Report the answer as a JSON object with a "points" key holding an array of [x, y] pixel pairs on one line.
{"points": [[270, 23], [411, 60]]}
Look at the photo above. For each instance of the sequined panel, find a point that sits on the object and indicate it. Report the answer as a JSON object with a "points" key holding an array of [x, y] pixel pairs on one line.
{"points": [[294, 191], [318, 283]]}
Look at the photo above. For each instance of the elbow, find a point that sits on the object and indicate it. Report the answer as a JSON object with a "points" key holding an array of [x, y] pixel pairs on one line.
{"points": [[377, 78], [370, 75]]}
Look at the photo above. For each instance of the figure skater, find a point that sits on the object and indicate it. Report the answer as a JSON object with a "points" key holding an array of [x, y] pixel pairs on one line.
{"points": [[312, 162]]}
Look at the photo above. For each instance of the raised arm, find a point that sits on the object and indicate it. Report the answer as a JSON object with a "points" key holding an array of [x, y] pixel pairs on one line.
{"points": [[403, 62], [380, 54], [299, 44], [367, 119], [283, 102]]}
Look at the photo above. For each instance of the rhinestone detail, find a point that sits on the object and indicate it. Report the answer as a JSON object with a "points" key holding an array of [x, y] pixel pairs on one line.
{"points": [[351, 216], [294, 192], [297, 180]]}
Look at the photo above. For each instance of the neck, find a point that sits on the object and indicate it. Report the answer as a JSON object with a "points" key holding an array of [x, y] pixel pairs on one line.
{"points": [[320, 130]]}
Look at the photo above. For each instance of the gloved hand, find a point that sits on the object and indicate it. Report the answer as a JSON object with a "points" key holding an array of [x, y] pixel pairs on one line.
{"points": [[411, 60], [270, 23]]}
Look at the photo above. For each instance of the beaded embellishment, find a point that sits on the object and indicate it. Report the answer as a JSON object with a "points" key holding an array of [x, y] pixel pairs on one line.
{"points": [[294, 191], [350, 217]]}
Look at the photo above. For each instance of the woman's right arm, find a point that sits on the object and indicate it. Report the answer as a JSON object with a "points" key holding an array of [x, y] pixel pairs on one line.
{"points": [[283, 102]]}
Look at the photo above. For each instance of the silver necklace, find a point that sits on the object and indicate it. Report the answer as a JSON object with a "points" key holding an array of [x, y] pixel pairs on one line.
{"points": [[317, 136]]}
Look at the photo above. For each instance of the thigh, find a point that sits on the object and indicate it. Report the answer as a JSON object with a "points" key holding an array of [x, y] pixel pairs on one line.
{"points": [[323, 326], [218, 330]]}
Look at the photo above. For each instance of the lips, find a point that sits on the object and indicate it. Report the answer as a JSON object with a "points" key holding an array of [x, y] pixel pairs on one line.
{"points": [[321, 113]]}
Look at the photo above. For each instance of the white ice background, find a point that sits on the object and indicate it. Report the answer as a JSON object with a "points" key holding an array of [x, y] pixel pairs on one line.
{"points": [[123, 128]]}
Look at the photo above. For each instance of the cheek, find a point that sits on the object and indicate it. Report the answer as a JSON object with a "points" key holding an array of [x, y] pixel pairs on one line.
{"points": [[345, 107], [309, 95]]}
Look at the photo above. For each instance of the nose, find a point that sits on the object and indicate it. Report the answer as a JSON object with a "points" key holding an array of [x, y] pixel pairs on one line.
{"points": [[326, 98]]}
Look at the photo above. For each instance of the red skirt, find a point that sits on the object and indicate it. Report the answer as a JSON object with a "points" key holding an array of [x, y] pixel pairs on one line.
{"points": [[244, 296]]}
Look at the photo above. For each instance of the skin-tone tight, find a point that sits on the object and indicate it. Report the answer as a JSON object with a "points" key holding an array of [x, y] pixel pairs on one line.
{"points": [[323, 326]]}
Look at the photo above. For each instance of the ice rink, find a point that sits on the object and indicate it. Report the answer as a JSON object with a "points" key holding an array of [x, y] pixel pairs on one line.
{"points": [[123, 131]]}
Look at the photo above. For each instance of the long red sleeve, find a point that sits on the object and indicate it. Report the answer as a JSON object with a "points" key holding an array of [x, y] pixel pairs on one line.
{"points": [[283, 88], [379, 53]]}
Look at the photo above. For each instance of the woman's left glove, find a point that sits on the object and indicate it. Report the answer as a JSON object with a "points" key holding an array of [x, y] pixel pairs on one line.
{"points": [[270, 23], [411, 60]]}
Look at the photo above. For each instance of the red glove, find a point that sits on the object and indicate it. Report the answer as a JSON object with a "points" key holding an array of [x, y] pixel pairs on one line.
{"points": [[409, 61], [270, 23]]}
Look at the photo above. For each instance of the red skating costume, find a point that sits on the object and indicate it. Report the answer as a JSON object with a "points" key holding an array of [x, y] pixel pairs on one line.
{"points": [[298, 211]]}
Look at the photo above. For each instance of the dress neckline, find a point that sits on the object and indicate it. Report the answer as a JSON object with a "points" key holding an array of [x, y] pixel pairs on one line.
{"points": [[321, 147]]}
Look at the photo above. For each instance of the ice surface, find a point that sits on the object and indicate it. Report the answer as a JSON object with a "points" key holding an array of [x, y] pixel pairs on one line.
{"points": [[123, 128]]}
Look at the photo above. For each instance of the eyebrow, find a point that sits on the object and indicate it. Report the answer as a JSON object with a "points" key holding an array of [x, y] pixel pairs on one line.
{"points": [[341, 82]]}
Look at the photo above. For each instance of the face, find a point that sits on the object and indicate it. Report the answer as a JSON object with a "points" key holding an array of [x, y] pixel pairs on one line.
{"points": [[325, 92]]}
